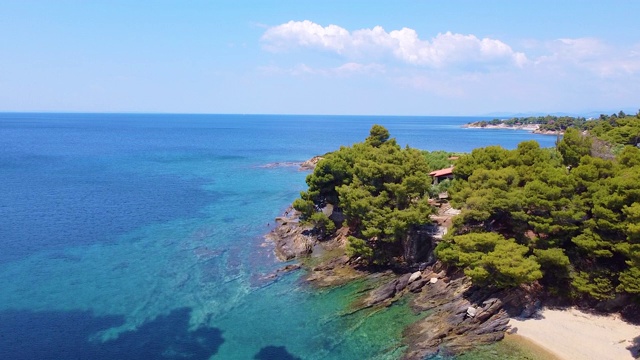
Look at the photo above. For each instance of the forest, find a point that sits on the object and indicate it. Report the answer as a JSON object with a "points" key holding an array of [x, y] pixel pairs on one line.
{"points": [[567, 217]]}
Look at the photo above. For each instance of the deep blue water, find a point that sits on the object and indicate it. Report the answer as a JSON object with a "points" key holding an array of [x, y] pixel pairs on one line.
{"points": [[141, 236]]}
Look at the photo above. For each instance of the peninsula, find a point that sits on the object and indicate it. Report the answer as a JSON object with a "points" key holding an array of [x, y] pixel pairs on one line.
{"points": [[537, 228], [547, 125]]}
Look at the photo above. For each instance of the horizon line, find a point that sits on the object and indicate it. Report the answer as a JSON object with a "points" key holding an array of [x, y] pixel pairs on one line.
{"points": [[492, 114]]}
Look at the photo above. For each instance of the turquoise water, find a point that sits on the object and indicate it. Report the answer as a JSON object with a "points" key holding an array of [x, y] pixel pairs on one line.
{"points": [[141, 236]]}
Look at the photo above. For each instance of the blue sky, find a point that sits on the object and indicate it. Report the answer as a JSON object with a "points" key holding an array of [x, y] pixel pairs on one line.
{"points": [[320, 57]]}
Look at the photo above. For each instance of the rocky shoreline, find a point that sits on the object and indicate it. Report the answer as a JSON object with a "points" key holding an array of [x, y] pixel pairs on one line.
{"points": [[459, 316], [302, 166]]}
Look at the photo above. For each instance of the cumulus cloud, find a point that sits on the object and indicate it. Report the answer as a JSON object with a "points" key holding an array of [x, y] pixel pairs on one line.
{"points": [[306, 34], [446, 49]]}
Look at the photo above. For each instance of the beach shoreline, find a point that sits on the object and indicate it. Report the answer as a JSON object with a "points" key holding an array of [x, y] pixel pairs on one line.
{"points": [[571, 334], [528, 127], [532, 128]]}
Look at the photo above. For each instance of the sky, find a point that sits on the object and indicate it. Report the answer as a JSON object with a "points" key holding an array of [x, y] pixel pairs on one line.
{"points": [[331, 57]]}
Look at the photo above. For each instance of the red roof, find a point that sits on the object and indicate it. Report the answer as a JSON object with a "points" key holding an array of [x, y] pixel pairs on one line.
{"points": [[442, 172]]}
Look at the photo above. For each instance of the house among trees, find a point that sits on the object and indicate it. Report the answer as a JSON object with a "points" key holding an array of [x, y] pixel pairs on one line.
{"points": [[442, 174]]}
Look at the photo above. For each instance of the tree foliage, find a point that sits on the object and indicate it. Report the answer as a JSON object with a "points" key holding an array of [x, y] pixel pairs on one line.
{"points": [[573, 147], [490, 259], [567, 217], [546, 123], [574, 214], [380, 189]]}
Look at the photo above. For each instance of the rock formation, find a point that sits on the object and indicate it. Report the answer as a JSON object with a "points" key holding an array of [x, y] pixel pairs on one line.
{"points": [[291, 239], [311, 163], [460, 317]]}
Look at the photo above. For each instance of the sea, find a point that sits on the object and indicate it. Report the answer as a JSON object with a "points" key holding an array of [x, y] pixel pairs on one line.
{"points": [[141, 236]]}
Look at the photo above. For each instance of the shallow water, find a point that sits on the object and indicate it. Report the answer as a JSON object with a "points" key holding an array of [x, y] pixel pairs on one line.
{"points": [[141, 236]]}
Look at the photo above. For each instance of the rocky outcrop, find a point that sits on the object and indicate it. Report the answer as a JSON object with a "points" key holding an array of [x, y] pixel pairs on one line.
{"points": [[382, 293], [283, 270], [333, 271], [311, 163], [397, 287], [324, 259], [461, 317], [291, 239], [418, 245], [305, 165]]}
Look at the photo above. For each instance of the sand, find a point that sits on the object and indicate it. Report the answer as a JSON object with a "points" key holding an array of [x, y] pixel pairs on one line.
{"points": [[573, 335]]}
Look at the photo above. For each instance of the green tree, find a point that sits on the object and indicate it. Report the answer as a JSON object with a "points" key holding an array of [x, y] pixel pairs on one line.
{"points": [[573, 147], [577, 218], [322, 223], [359, 248], [490, 259], [378, 135], [379, 187]]}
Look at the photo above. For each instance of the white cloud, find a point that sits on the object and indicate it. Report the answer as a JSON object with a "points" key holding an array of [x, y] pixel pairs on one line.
{"points": [[306, 34], [449, 69], [347, 69], [405, 45], [356, 68], [590, 55]]}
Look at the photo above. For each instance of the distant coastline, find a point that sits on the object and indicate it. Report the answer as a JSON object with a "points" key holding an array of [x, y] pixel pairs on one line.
{"points": [[533, 128]]}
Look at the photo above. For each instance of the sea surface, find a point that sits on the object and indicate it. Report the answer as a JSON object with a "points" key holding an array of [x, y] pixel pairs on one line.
{"points": [[140, 236]]}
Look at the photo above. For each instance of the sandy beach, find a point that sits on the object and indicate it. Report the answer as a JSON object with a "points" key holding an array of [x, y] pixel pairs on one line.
{"points": [[573, 335]]}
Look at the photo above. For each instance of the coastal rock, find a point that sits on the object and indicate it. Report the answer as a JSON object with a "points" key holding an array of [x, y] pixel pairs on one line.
{"points": [[268, 279], [289, 268], [311, 163], [280, 164], [334, 277], [403, 281], [460, 318], [418, 245], [290, 238], [471, 311], [415, 276], [489, 308], [294, 240], [382, 293], [390, 289], [528, 312], [417, 285]]}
